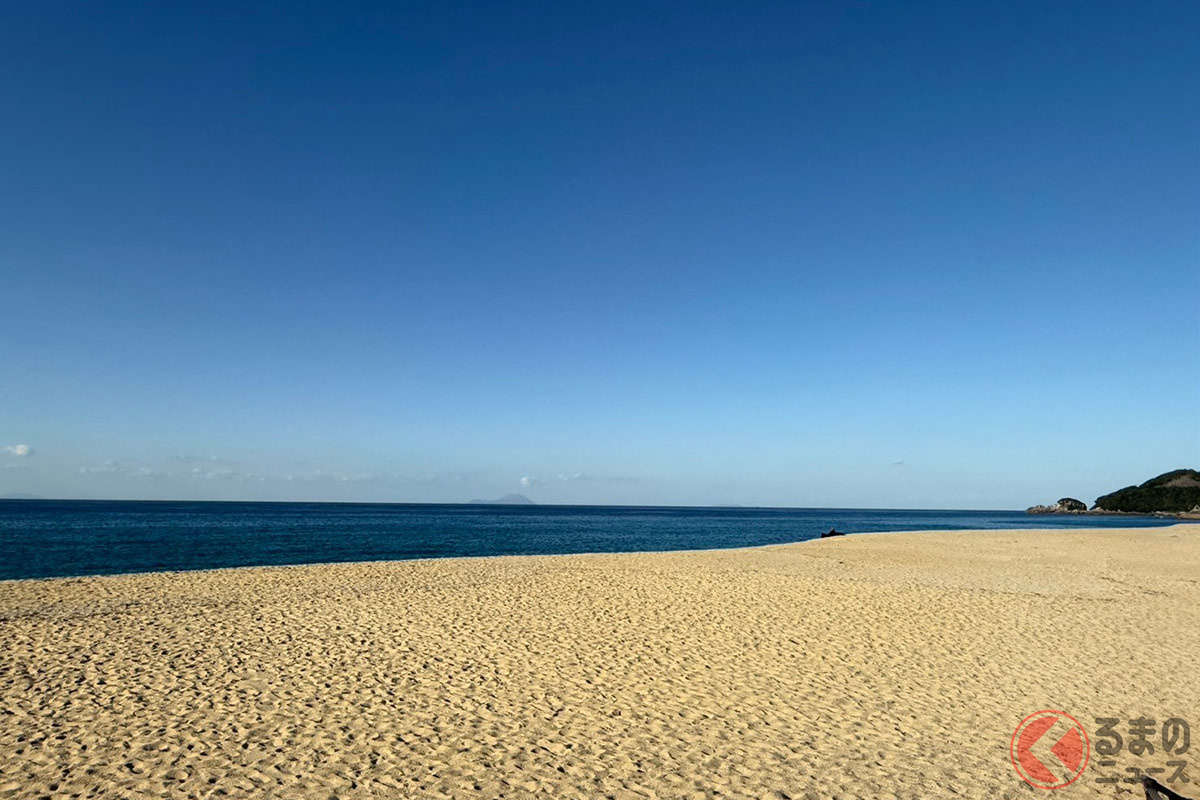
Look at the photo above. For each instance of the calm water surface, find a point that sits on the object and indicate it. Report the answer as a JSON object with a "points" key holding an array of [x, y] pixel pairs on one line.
{"points": [[53, 538]]}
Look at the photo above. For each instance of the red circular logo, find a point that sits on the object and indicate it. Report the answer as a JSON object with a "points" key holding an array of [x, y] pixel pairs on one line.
{"points": [[1049, 749]]}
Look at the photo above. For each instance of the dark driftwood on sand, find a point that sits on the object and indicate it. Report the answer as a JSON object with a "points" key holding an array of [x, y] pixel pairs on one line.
{"points": [[1156, 791]]}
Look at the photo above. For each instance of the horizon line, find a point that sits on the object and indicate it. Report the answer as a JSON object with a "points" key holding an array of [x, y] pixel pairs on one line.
{"points": [[531, 504]]}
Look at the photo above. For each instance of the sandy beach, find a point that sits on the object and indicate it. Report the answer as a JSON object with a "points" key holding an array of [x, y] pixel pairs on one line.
{"points": [[874, 666]]}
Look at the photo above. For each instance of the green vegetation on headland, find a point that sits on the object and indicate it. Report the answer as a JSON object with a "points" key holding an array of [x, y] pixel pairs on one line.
{"points": [[1176, 492], [1172, 492]]}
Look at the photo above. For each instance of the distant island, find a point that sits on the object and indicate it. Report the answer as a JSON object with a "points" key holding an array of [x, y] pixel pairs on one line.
{"points": [[1176, 492], [507, 500], [1067, 505]]}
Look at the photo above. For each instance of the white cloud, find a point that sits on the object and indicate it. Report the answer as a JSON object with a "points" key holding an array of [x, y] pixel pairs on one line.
{"points": [[104, 467], [185, 458], [324, 476], [219, 470], [529, 480], [146, 472], [576, 477], [18, 450], [223, 474], [110, 467]]}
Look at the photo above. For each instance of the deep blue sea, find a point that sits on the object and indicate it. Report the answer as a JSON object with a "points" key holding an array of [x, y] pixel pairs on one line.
{"points": [[55, 538]]}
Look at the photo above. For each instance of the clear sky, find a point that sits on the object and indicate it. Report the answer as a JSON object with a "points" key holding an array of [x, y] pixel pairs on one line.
{"points": [[855, 254]]}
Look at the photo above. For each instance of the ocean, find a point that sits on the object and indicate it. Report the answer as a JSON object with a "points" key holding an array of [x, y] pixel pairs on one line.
{"points": [[59, 538]]}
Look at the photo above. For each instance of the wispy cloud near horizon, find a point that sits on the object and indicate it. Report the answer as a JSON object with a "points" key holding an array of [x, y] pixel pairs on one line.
{"points": [[217, 470], [577, 477], [113, 467], [18, 450], [185, 458]]}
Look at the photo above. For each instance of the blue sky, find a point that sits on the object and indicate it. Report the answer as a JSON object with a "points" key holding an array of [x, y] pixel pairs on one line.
{"points": [[828, 254]]}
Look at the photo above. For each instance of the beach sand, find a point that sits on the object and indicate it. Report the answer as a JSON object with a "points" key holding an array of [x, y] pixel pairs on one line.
{"points": [[875, 666]]}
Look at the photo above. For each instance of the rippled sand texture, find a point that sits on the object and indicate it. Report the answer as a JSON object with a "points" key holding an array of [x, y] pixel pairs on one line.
{"points": [[868, 666]]}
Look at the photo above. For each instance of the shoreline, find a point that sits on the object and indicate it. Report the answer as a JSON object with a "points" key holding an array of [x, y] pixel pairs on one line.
{"points": [[303, 564], [1180, 515]]}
